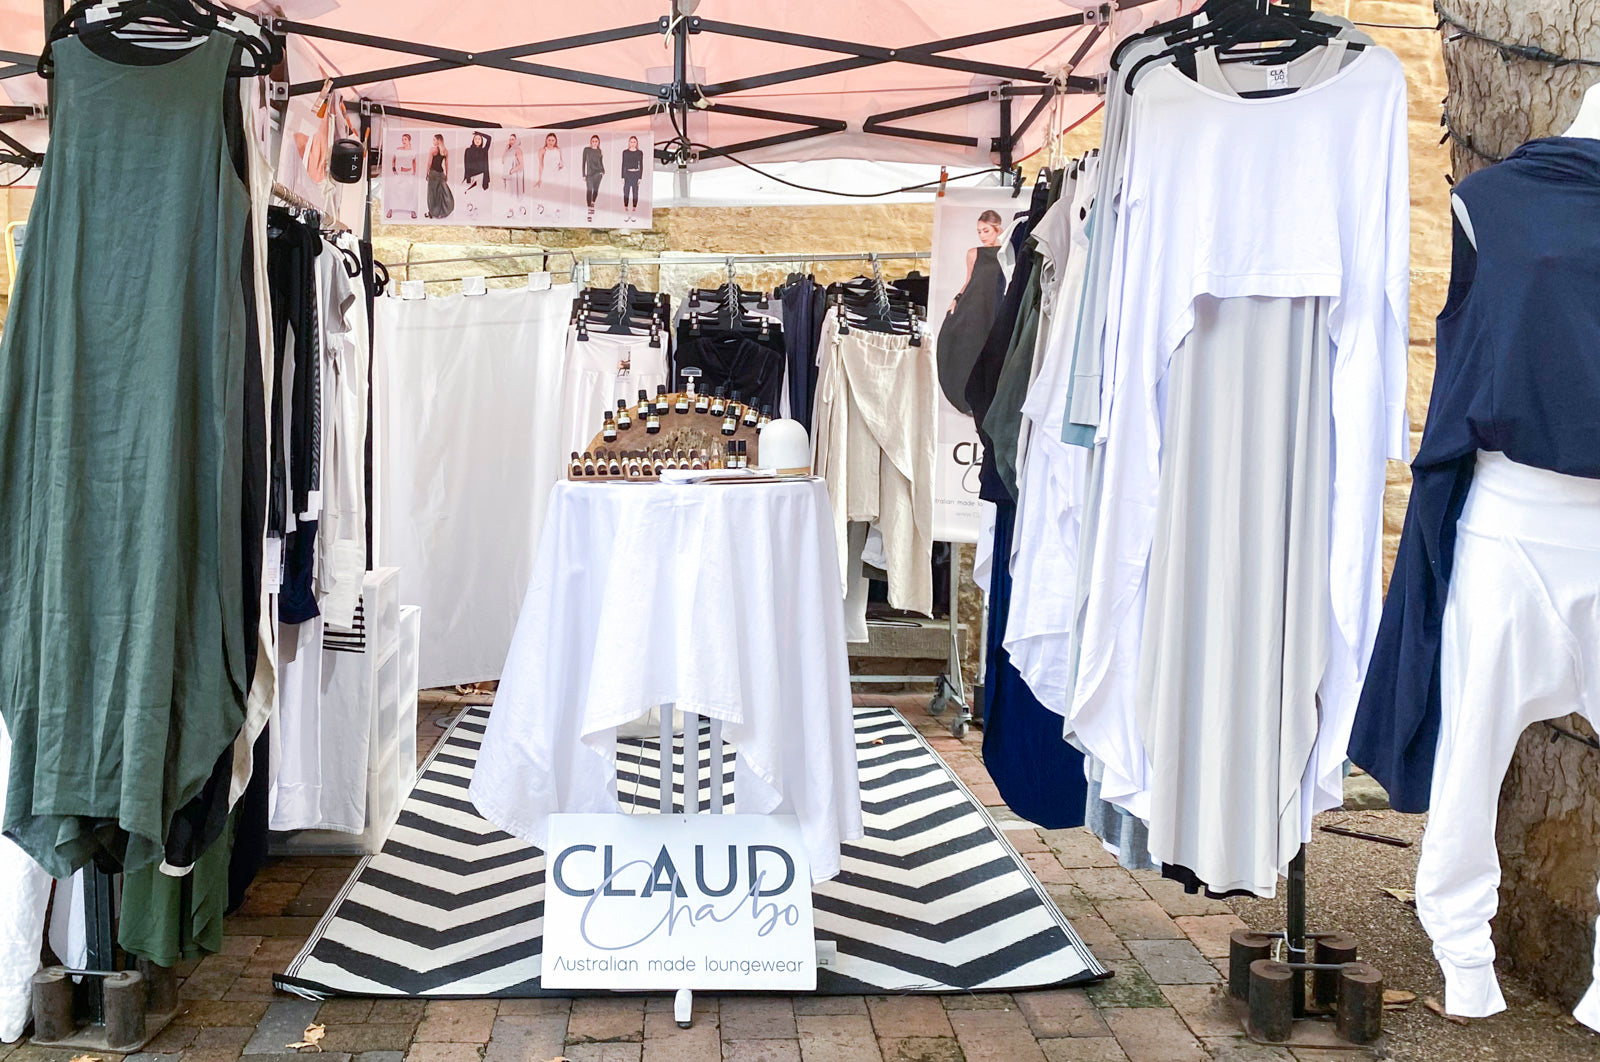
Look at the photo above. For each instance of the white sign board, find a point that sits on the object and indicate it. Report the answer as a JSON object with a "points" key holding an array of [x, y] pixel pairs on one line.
{"points": [[678, 901], [959, 454], [963, 219]]}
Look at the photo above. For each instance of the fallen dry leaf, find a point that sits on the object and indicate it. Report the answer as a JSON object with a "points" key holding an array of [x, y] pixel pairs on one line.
{"points": [[86, 1058], [1403, 895], [313, 1038], [1397, 998], [1438, 1008]]}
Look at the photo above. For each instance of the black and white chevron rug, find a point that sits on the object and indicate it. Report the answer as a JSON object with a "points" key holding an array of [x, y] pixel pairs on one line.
{"points": [[932, 899]]}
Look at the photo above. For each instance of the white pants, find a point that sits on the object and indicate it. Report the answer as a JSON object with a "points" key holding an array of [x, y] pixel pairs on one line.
{"points": [[1521, 632], [873, 442]]}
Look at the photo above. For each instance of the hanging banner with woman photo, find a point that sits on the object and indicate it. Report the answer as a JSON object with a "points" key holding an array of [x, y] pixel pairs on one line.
{"points": [[965, 283], [515, 178]]}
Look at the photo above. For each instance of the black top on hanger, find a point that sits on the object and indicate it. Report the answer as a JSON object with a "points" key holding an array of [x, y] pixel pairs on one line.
{"points": [[1211, 9]]}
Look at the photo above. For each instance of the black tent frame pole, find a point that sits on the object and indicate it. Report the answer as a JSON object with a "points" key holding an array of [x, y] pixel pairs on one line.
{"points": [[681, 97], [1006, 142], [369, 290]]}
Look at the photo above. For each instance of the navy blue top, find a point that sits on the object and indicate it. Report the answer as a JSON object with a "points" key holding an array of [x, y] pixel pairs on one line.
{"points": [[1519, 372]]}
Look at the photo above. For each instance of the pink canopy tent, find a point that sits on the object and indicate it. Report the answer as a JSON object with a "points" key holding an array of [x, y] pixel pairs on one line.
{"points": [[956, 82]]}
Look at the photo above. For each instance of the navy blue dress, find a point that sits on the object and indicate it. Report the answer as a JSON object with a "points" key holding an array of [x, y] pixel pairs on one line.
{"points": [[1519, 372], [1038, 774]]}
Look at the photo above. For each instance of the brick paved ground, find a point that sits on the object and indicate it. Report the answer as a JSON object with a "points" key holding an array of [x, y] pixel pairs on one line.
{"points": [[1165, 1003]]}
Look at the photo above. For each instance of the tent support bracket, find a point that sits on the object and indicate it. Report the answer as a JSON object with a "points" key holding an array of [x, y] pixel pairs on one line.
{"points": [[680, 97]]}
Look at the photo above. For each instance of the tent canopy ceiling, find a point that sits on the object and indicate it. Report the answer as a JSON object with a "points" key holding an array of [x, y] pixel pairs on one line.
{"points": [[890, 80]]}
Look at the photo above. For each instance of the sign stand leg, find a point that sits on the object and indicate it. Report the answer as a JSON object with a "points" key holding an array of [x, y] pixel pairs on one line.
{"points": [[666, 762], [683, 1008], [683, 1002], [716, 766]]}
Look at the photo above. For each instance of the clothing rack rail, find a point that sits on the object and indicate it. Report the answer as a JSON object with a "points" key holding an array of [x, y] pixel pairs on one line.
{"points": [[710, 260], [584, 266], [683, 258], [694, 257], [534, 252], [283, 196]]}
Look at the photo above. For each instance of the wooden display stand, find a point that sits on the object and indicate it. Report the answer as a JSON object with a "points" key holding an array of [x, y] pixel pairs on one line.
{"points": [[679, 431]]}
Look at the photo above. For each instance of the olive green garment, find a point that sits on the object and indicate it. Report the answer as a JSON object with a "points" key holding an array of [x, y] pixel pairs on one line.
{"points": [[1003, 424], [121, 389], [165, 919]]}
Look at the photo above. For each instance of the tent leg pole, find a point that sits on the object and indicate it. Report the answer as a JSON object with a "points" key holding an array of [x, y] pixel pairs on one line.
{"points": [[1006, 139], [679, 99]]}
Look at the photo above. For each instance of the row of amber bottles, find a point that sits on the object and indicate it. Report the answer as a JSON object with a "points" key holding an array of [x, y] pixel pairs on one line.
{"points": [[649, 464], [651, 412]]}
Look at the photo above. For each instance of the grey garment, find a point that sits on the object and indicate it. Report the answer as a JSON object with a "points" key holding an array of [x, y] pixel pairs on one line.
{"points": [[1123, 832], [1003, 423], [1112, 824], [1119, 828], [1238, 607], [1083, 390], [1083, 393]]}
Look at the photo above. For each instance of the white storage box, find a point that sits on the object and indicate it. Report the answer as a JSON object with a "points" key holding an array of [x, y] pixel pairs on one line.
{"points": [[372, 670]]}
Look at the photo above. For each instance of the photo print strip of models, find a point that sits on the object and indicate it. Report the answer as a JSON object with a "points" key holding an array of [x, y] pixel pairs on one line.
{"points": [[515, 178]]}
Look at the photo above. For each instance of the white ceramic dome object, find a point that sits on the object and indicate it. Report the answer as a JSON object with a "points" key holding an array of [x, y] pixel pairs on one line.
{"points": [[784, 447]]}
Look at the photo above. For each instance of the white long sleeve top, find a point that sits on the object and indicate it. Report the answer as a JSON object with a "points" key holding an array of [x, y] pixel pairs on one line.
{"points": [[1301, 195]]}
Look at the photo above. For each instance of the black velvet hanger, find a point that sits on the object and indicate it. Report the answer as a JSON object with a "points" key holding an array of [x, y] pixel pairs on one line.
{"points": [[166, 20], [1250, 22]]}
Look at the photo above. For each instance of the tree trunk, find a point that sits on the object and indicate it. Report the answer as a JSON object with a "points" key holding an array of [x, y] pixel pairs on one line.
{"points": [[1549, 825]]}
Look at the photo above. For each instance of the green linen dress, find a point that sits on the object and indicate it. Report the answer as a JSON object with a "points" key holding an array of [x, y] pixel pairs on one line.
{"points": [[121, 389]]}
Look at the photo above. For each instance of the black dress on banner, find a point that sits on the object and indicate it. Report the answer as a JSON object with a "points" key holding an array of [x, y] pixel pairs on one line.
{"points": [[985, 378]]}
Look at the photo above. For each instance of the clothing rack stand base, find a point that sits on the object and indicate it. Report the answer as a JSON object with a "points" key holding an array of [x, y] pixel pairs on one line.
{"points": [[950, 688], [135, 1005], [1268, 988], [102, 1008]]}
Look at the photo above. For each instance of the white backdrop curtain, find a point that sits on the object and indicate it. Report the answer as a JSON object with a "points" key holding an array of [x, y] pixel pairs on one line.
{"points": [[467, 448]]}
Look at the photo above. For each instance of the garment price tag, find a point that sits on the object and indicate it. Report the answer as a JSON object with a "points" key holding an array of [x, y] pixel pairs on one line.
{"points": [[1278, 77], [272, 569], [313, 505]]}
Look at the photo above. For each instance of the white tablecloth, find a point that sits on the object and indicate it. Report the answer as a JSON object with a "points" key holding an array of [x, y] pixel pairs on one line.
{"points": [[722, 599]]}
